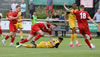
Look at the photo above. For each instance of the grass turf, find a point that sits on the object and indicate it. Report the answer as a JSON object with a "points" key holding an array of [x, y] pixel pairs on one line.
{"points": [[63, 51]]}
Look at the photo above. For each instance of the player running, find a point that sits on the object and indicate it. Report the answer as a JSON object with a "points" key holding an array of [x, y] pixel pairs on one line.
{"points": [[12, 17], [19, 25], [45, 44], [72, 24], [82, 17], [38, 29]]}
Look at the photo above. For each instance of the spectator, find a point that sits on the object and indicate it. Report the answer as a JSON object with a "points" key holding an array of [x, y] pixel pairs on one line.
{"points": [[13, 5], [63, 17], [34, 20], [97, 17], [49, 8], [23, 9], [31, 9], [55, 16]]}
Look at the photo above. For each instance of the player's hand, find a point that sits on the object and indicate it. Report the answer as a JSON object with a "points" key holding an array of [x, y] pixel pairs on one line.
{"points": [[65, 4]]}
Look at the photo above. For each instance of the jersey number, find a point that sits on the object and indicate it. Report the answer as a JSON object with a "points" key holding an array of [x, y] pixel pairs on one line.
{"points": [[83, 15]]}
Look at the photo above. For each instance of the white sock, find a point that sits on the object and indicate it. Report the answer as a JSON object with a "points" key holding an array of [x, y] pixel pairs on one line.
{"points": [[21, 37], [76, 41], [71, 42]]}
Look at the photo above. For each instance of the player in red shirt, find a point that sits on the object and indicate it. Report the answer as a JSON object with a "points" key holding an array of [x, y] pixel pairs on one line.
{"points": [[38, 29], [0, 27], [12, 17], [82, 17]]}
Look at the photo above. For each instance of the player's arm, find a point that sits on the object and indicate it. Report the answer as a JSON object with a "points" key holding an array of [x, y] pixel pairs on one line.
{"points": [[46, 25], [68, 10], [92, 21], [65, 19], [51, 39]]}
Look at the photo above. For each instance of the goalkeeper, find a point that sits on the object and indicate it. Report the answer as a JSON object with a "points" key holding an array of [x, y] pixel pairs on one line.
{"points": [[45, 44]]}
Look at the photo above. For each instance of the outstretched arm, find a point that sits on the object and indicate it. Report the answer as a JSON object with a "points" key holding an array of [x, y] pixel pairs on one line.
{"points": [[68, 10], [92, 21]]}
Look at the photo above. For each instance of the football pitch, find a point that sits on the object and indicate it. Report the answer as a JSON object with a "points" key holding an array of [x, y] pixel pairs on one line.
{"points": [[63, 51]]}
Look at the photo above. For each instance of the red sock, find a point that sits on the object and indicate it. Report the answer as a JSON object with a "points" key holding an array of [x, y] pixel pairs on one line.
{"points": [[88, 43], [6, 37], [37, 37], [23, 41], [12, 39]]}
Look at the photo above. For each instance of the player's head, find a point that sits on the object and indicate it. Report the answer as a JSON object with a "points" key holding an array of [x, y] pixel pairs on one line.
{"points": [[98, 11], [81, 7], [53, 26], [60, 39], [10, 10], [34, 13], [18, 8], [74, 5], [22, 1]]}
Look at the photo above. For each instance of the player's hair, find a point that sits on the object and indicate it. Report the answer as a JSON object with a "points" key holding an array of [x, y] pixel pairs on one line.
{"points": [[82, 6], [74, 4], [60, 38], [17, 6], [0, 17], [54, 25], [62, 12]]}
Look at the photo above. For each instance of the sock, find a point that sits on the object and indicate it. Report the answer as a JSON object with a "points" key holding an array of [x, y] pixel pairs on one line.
{"points": [[37, 37], [29, 46], [6, 37], [72, 37], [23, 41], [12, 39], [76, 39], [21, 34], [71, 42], [87, 42]]}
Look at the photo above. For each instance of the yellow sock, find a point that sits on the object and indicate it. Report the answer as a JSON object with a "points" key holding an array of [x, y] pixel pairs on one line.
{"points": [[72, 38], [21, 33], [29, 46], [75, 36]]}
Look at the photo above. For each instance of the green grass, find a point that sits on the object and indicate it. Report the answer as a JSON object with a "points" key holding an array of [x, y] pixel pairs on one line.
{"points": [[63, 51]]}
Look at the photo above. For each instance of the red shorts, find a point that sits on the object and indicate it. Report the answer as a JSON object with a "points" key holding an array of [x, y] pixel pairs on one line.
{"points": [[12, 28], [49, 8], [0, 30], [84, 30], [34, 29]]}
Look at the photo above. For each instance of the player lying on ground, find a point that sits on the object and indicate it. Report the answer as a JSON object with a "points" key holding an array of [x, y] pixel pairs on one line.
{"points": [[82, 17], [45, 44], [12, 17], [38, 30]]}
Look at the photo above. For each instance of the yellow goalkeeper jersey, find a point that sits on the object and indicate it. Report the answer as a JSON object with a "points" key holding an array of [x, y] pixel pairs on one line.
{"points": [[20, 17], [48, 44]]}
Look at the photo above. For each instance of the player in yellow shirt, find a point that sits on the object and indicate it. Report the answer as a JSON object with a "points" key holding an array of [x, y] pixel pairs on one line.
{"points": [[45, 44], [19, 24], [72, 24]]}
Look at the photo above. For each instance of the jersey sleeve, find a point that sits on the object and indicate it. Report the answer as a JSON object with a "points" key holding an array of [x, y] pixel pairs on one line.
{"points": [[50, 32], [87, 15], [75, 12]]}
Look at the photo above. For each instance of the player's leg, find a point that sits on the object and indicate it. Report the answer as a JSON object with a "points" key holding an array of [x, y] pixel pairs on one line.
{"points": [[39, 34], [25, 40], [87, 40], [75, 36], [7, 36], [30, 46], [21, 33], [72, 34], [12, 39]]}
